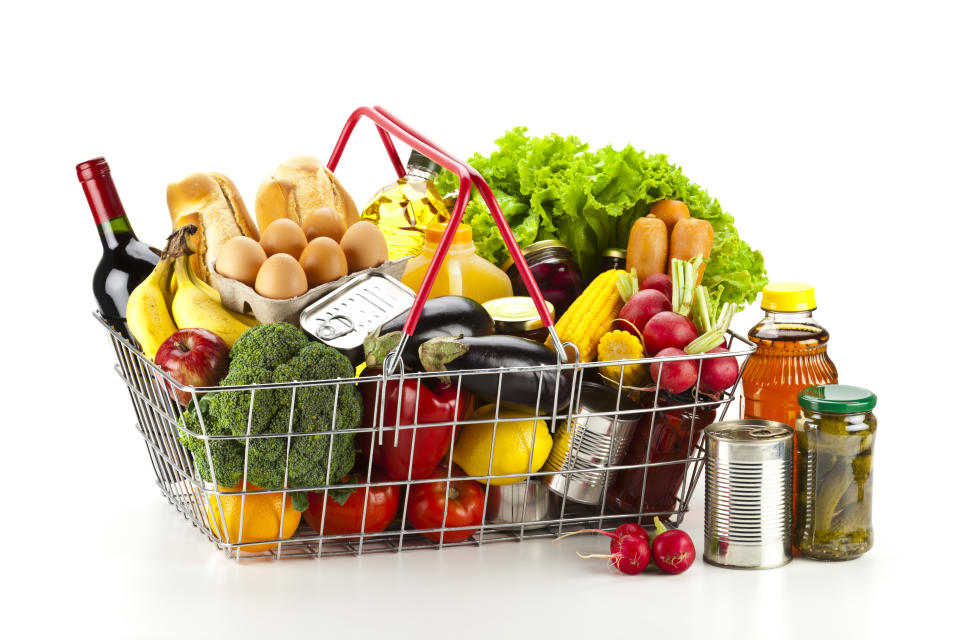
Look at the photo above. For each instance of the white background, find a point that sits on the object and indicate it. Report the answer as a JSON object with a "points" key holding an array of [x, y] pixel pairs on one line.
{"points": [[829, 130]]}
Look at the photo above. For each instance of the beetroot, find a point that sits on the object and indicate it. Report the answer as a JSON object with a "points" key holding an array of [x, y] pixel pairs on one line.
{"points": [[667, 329], [677, 375], [642, 306], [718, 374], [659, 282]]}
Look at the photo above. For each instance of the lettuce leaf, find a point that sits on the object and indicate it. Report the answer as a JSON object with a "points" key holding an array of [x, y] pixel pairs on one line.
{"points": [[554, 187]]}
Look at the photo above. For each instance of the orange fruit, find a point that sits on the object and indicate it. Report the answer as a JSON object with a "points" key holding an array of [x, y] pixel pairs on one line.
{"points": [[261, 517]]}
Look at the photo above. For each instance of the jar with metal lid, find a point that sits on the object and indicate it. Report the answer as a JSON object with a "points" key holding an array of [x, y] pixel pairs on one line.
{"points": [[613, 259], [554, 270], [835, 436], [517, 316]]}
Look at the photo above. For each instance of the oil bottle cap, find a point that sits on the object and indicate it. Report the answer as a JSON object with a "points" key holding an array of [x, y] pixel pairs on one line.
{"points": [[463, 235], [419, 161], [788, 296], [837, 398]]}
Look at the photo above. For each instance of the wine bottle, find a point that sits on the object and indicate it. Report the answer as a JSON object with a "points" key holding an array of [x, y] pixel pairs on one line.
{"points": [[126, 262]]}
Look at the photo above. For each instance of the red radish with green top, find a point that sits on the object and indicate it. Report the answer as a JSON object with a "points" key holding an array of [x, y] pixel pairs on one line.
{"points": [[642, 306], [668, 330], [673, 550]]}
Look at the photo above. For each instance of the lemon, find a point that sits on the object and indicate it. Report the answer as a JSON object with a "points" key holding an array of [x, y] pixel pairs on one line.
{"points": [[511, 451]]}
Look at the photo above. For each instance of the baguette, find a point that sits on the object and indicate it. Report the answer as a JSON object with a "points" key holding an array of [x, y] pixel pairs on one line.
{"points": [[298, 187], [647, 247], [210, 201]]}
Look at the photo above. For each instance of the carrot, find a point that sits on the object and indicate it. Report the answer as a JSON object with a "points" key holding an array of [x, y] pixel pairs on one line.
{"points": [[647, 247], [691, 237], [670, 211]]}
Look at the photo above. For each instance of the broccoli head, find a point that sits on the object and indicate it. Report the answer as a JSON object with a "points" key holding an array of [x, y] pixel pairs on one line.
{"points": [[276, 353]]}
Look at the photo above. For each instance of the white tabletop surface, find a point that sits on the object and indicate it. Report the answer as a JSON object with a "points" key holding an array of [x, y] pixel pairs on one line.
{"points": [[829, 130]]}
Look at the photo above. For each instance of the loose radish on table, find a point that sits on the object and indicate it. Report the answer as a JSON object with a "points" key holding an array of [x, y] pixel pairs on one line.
{"points": [[631, 557], [673, 549], [629, 547], [675, 376]]}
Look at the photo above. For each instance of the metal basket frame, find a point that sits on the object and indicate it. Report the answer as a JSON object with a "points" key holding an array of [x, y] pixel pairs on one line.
{"points": [[160, 419]]}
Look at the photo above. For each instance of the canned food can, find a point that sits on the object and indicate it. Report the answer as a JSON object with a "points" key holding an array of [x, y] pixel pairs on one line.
{"points": [[526, 501], [587, 444], [749, 486]]}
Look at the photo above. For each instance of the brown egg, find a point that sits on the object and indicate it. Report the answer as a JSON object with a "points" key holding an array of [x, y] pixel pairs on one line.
{"points": [[323, 261], [324, 223], [364, 245], [241, 258], [281, 277], [283, 236]]}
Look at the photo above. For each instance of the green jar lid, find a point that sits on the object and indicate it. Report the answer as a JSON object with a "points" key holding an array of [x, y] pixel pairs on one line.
{"points": [[837, 398]]}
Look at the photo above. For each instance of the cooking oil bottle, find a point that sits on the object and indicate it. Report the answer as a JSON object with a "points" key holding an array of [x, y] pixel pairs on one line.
{"points": [[404, 209]]}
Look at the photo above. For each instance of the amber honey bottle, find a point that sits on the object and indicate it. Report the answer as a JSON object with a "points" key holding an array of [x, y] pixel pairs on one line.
{"points": [[791, 356]]}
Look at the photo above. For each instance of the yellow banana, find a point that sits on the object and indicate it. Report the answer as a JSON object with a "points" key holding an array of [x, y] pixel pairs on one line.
{"points": [[148, 309], [195, 308], [250, 321]]}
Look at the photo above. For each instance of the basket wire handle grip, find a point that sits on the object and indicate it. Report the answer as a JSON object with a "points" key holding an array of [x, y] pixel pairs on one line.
{"points": [[505, 232], [388, 125]]}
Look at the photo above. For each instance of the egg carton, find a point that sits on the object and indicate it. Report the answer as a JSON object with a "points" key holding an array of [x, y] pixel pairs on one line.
{"points": [[242, 298]]}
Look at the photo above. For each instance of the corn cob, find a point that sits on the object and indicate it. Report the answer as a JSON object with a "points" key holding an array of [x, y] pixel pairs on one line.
{"points": [[621, 345], [590, 315]]}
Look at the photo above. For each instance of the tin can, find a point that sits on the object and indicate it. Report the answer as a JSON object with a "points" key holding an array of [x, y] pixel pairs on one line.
{"points": [[749, 489], [590, 442], [526, 501], [345, 316]]}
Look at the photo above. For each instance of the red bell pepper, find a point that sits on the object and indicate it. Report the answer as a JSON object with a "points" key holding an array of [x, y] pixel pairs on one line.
{"points": [[438, 404]]}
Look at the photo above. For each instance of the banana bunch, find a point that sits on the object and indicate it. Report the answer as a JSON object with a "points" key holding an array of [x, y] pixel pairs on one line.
{"points": [[174, 297]]}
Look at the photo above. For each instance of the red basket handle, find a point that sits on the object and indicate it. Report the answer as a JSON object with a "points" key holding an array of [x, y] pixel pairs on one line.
{"points": [[388, 125]]}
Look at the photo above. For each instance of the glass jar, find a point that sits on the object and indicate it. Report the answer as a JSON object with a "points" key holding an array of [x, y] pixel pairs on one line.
{"points": [[835, 436], [665, 438], [554, 271], [613, 259], [517, 316]]}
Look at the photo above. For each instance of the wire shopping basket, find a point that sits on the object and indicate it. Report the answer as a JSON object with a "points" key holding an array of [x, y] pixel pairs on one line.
{"points": [[617, 454]]}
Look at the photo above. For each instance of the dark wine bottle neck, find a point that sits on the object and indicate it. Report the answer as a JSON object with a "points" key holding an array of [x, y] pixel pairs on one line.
{"points": [[115, 232]]}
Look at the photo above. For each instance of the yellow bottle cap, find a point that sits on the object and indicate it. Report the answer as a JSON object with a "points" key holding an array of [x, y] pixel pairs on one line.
{"points": [[463, 235], [788, 296]]}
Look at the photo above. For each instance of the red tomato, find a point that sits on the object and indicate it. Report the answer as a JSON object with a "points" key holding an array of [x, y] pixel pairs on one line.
{"points": [[382, 503], [465, 508]]}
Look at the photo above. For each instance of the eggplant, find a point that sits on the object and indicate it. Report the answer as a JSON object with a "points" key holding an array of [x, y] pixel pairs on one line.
{"points": [[501, 352], [444, 316]]}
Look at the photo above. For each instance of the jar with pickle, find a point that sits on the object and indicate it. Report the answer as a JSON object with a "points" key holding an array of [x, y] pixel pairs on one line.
{"points": [[517, 316], [835, 436]]}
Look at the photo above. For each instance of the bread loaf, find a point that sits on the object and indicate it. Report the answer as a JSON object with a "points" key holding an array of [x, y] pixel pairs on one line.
{"points": [[210, 201], [299, 187]]}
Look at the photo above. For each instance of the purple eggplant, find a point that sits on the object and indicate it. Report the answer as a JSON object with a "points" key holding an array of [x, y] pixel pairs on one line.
{"points": [[501, 352]]}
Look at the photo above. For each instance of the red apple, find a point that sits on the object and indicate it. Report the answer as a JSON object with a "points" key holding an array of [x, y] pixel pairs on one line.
{"points": [[194, 357]]}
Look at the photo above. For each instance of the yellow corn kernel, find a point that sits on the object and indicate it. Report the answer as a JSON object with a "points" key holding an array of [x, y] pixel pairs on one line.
{"points": [[590, 315], [621, 345]]}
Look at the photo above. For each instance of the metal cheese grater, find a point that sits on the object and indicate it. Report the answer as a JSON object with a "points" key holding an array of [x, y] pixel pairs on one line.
{"points": [[749, 487], [345, 316]]}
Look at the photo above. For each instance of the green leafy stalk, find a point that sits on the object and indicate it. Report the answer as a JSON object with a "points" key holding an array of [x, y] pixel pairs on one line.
{"points": [[628, 284], [684, 276], [703, 311], [715, 336]]}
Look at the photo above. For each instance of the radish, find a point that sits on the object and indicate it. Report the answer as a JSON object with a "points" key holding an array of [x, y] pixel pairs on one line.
{"points": [[629, 547], [659, 282], [673, 550], [718, 374], [642, 306], [668, 329], [631, 556], [677, 375]]}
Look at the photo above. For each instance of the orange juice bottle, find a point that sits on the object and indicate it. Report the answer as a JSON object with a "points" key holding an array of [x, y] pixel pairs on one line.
{"points": [[463, 272]]}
